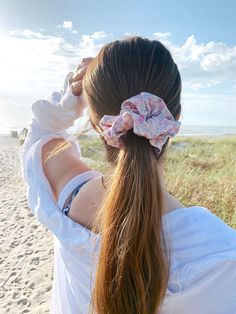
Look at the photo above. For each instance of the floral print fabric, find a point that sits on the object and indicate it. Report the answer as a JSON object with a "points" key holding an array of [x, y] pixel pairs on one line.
{"points": [[148, 116]]}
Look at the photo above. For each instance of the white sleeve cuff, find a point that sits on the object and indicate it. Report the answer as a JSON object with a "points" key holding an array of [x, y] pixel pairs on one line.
{"points": [[58, 111]]}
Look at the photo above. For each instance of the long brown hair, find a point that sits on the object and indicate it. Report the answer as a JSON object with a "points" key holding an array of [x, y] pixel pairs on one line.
{"points": [[133, 266]]}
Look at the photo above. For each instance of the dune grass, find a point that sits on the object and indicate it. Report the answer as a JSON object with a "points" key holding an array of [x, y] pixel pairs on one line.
{"points": [[198, 171]]}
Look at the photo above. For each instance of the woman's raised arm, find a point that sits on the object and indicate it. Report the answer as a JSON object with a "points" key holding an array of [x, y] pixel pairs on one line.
{"points": [[51, 118]]}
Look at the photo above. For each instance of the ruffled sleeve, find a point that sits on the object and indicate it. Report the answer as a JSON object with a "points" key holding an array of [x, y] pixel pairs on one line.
{"points": [[51, 118]]}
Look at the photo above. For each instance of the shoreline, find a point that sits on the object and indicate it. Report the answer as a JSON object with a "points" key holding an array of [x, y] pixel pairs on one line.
{"points": [[177, 136]]}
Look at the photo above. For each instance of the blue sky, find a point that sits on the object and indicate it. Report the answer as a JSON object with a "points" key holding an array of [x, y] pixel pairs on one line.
{"points": [[207, 20], [42, 40]]}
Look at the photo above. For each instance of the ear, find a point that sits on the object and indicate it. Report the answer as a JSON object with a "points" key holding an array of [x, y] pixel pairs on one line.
{"points": [[178, 117]]}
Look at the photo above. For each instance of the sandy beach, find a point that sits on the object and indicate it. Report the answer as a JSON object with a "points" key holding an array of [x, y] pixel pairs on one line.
{"points": [[26, 247]]}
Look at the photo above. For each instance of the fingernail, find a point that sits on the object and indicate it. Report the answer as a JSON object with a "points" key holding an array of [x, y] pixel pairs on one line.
{"points": [[76, 87]]}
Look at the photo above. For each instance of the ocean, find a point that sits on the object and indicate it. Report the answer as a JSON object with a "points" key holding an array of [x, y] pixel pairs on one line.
{"points": [[207, 130], [185, 130]]}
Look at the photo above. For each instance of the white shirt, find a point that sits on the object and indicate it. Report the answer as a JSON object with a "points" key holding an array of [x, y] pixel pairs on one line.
{"points": [[203, 248]]}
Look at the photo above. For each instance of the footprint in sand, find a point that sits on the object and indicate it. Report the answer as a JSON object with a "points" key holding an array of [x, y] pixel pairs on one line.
{"points": [[31, 286], [14, 244], [16, 295], [17, 280], [35, 261], [28, 252], [2, 295], [34, 226], [23, 302]]}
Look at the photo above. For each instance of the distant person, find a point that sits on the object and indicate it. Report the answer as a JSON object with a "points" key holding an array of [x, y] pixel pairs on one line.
{"points": [[22, 135], [123, 243]]}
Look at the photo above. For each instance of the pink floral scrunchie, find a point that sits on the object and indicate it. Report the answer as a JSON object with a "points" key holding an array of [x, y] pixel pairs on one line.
{"points": [[148, 116]]}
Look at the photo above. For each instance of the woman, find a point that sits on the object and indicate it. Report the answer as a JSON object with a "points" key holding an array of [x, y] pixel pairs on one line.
{"points": [[123, 244]]}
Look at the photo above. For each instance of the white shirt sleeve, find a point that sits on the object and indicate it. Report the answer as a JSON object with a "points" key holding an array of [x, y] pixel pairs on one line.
{"points": [[51, 118]]}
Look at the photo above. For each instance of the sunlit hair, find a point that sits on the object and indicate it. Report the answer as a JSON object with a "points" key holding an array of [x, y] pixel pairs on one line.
{"points": [[133, 266]]}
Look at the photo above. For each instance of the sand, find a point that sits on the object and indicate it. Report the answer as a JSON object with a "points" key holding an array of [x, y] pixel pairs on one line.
{"points": [[26, 247]]}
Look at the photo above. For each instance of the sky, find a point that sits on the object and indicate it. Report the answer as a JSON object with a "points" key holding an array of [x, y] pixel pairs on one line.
{"points": [[41, 41]]}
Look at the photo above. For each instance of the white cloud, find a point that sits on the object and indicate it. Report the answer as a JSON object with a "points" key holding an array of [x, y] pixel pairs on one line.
{"points": [[67, 25], [34, 64], [163, 37], [158, 35], [27, 33], [204, 65], [90, 44], [40, 61], [129, 34]]}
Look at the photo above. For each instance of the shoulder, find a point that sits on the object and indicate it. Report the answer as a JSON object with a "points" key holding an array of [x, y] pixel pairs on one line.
{"points": [[86, 204], [61, 162], [195, 231]]}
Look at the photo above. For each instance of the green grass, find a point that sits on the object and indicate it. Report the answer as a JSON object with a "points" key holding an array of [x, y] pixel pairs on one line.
{"points": [[198, 171]]}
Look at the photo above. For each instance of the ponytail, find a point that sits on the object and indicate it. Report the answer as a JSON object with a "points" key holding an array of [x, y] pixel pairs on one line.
{"points": [[133, 266], [132, 271]]}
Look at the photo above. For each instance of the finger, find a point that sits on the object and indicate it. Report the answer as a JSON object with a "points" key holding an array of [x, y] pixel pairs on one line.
{"points": [[81, 65], [76, 88], [80, 70], [83, 62], [87, 59], [78, 75]]}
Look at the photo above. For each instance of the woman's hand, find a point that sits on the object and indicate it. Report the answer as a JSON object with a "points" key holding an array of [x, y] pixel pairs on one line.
{"points": [[77, 77]]}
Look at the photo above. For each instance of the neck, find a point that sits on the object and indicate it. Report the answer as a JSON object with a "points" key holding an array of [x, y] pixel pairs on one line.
{"points": [[169, 202]]}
